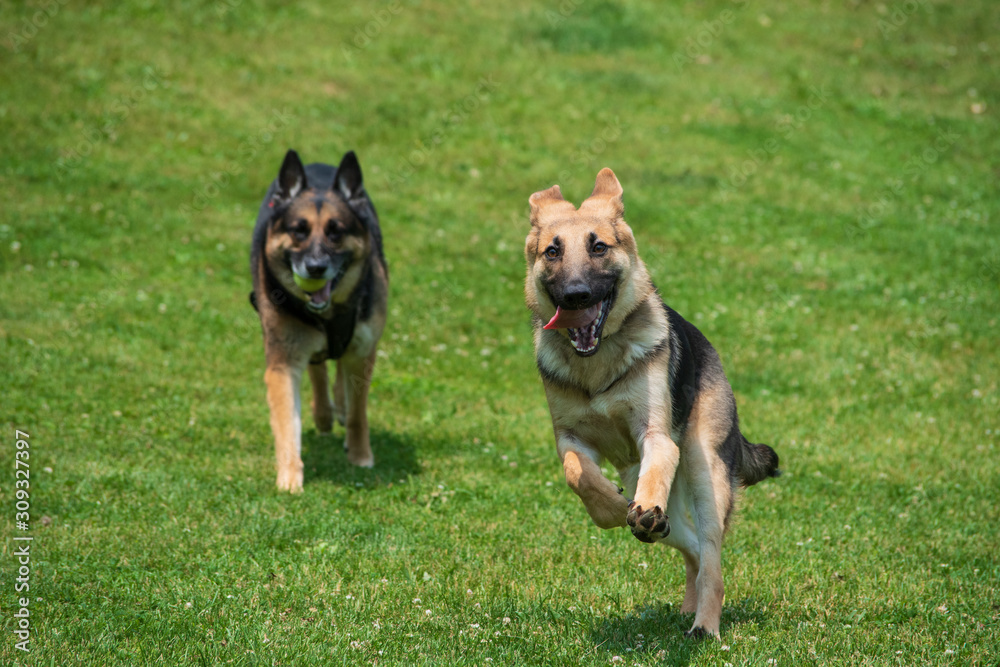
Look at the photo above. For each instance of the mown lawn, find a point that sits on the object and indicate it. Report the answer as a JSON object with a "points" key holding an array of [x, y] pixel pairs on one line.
{"points": [[813, 184]]}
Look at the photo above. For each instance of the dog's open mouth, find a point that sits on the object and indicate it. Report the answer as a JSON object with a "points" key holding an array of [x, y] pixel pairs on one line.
{"points": [[318, 289], [583, 327], [321, 297]]}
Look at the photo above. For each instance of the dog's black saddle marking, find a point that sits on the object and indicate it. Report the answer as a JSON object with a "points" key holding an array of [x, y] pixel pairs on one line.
{"points": [[683, 369]]}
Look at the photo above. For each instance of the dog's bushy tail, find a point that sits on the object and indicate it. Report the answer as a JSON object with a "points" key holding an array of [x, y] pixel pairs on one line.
{"points": [[759, 463]]}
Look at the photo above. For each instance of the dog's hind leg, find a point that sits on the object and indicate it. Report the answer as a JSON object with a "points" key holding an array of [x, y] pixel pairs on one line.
{"points": [[712, 498], [708, 494], [692, 563], [322, 406], [605, 504], [684, 536], [357, 378], [339, 404], [283, 382]]}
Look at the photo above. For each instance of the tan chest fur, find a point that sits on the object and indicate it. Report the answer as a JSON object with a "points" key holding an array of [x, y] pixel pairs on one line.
{"points": [[605, 424], [611, 400]]}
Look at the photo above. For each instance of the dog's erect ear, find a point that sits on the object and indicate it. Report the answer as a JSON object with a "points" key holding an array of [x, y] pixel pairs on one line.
{"points": [[607, 185], [607, 190], [542, 198], [347, 183], [291, 178]]}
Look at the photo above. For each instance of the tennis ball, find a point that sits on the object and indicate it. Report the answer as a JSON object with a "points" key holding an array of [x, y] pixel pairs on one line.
{"points": [[309, 284]]}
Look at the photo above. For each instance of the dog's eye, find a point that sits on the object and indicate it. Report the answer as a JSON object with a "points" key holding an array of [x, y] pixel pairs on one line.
{"points": [[551, 252], [335, 235], [600, 248], [300, 230]]}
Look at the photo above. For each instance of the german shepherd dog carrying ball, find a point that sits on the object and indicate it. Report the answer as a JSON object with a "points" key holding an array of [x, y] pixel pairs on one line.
{"points": [[320, 284], [630, 381]]}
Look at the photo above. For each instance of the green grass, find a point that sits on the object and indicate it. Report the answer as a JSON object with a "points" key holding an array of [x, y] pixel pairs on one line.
{"points": [[844, 258]]}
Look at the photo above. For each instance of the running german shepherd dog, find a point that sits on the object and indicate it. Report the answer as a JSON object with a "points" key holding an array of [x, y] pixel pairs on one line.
{"points": [[630, 381], [320, 284]]}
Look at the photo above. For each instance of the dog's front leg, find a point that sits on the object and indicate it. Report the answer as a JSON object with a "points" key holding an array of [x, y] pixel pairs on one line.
{"points": [[604, 502], [646, 515], [283, 382], [357, 378]]}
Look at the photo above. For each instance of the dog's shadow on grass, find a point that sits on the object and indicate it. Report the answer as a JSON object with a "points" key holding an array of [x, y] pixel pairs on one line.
{"points": [[325, 460], [657, 632]]}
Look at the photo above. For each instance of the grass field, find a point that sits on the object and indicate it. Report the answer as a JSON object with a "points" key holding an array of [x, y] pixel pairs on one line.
{"points": [[814, 185]]}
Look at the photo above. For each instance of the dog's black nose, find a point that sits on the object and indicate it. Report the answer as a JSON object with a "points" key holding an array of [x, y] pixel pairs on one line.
{"points": [[316, 267], [577, 296]]}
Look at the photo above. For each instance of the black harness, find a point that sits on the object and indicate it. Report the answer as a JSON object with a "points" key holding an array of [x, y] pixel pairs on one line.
{"points": [[338, 327]]}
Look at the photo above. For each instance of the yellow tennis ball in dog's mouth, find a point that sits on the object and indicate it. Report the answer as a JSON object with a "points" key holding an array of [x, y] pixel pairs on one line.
{"points": [[309, 284]]}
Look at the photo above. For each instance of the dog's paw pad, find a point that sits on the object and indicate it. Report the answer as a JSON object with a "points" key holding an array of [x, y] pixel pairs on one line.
{"points": [[647, 525]]}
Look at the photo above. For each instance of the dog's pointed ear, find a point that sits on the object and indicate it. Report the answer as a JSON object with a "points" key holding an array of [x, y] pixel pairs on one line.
{"points": [[607, 189], [607, 185], [291, 178], [347, 183], [542, 198]]}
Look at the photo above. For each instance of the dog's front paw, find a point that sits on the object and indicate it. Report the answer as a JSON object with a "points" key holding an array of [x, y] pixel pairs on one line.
{"points": [[290, 480], [647, 525], [698, 632]]}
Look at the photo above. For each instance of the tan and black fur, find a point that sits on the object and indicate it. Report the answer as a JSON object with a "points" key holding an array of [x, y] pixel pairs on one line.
{"points": [[318, 222], [648, 394]]}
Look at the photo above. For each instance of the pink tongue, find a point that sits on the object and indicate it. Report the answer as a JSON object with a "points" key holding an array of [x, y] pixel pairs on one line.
{"points": [[573, 319], [322, 296]]}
